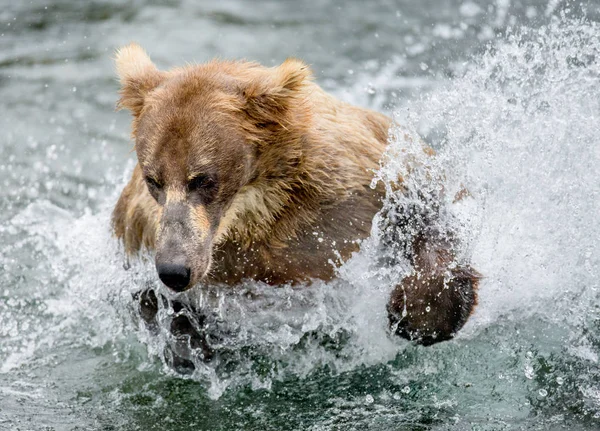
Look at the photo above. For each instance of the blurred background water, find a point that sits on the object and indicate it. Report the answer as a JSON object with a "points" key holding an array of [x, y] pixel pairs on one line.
{"points": [[506, 90]]}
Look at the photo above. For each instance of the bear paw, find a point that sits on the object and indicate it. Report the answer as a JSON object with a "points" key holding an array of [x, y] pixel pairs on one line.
{"points": [[430, 309], [186, 336]]}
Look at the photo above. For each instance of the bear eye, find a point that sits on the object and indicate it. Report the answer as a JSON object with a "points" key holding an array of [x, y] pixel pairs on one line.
{"points": [[201, 182], [202, 189], [153, 183]]}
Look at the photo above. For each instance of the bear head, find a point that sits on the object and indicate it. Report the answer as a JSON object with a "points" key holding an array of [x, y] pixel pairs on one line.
{"points": [[204, 137]]}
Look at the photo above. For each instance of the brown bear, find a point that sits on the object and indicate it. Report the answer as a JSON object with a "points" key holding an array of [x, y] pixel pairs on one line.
{"points": [[249, 172]]}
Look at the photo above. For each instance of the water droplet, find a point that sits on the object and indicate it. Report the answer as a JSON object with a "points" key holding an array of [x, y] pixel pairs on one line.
{"points": [[560, 380], [543, 392], [406, 390], [428, 308], [529, 373], [369, 399]]}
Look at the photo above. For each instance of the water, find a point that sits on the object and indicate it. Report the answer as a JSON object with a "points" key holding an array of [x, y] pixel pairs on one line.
{"points": [[508, 93]]}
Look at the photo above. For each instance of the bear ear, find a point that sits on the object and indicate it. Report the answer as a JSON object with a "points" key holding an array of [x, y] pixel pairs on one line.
{"points": [[292, 74], [269, 97], [137, 75]]}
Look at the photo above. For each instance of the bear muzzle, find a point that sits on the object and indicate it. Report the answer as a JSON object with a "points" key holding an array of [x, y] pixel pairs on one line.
{"points": [[176, 277], [183, 251], [180, 274]]}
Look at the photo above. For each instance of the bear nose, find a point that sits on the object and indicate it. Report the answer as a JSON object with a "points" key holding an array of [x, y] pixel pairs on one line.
{"points": [[176, 277]]}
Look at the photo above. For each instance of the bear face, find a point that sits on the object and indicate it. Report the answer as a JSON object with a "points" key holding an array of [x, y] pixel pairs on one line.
{"points": [[193, 166], [198, 135]]}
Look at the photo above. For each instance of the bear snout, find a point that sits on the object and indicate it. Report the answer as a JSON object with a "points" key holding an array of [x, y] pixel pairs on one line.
{"points": [[176, 277]]}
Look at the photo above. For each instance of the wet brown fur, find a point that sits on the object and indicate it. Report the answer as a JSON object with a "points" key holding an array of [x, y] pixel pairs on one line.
{"points": [[294, 168]]}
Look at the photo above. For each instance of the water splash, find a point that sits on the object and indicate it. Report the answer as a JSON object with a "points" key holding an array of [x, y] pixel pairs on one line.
{"points": [[519, 129]]}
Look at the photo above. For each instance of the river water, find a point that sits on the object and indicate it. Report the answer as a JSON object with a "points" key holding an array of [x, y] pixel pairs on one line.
{"points": [[507, 91]]}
